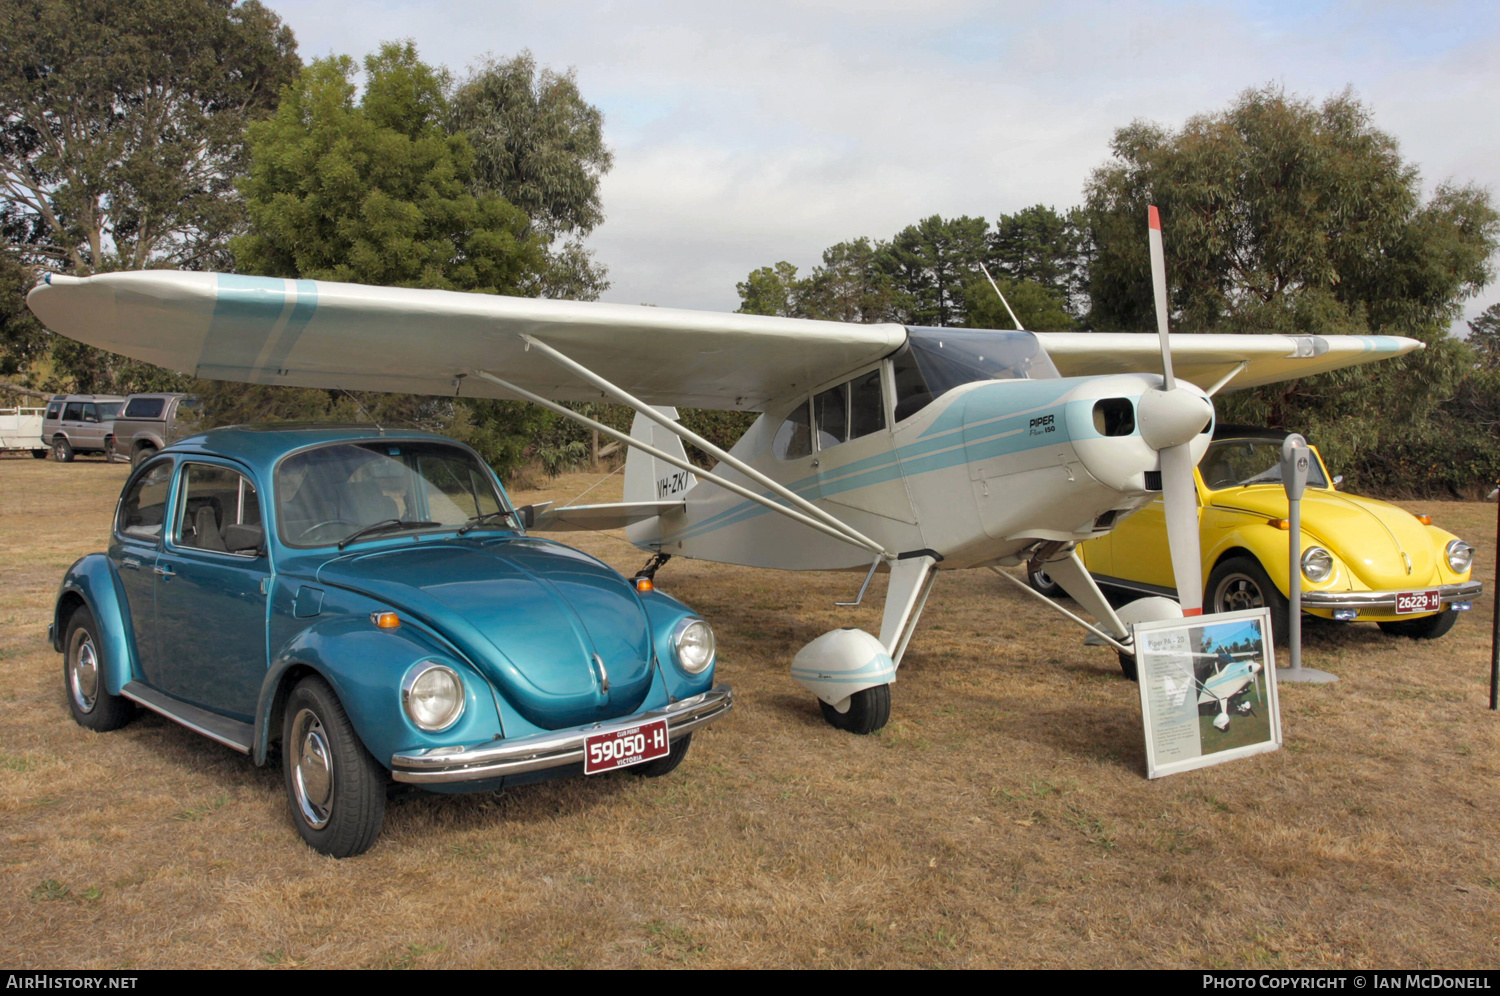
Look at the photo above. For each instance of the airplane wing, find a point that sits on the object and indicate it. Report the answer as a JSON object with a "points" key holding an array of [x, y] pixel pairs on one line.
{"points": [[1204, 358], [615, 516], [308, 333]]}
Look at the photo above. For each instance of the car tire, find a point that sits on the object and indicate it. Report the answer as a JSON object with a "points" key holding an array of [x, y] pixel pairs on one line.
{"points": [[39, 454], [92, 706], [869, 710], [1426, 628], [141, 455], [1043, 583], [109, 449], [62, 450], [335, 788], [1241, 583], [664, 765]]}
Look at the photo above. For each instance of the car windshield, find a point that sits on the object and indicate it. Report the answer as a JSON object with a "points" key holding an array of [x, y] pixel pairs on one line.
{"points": [[326, 495], [1233, 463]]}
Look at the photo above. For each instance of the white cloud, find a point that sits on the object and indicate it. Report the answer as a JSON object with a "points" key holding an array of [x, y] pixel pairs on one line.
{"points": [[749, 133]]}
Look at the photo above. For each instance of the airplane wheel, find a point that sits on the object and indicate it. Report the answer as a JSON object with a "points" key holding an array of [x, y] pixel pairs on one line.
{"points": [[1043, 583], [1241, 583], [1425, 628], [869, 710]]}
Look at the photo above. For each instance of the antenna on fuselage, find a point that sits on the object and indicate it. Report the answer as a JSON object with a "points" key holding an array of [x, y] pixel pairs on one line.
{"points": [[1003, 301]]}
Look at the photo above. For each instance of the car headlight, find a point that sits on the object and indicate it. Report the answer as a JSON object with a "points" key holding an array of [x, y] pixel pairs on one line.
{"points": [[1317, 564], [433, 696], [1460, 556], [693, 642]]}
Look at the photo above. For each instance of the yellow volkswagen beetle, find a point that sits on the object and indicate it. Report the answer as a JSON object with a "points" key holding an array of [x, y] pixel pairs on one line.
{"points": [[1362, 560]]}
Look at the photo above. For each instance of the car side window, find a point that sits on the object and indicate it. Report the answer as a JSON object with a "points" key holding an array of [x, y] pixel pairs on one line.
{"points": [[145, 408], [90, 413], [832, 408], [53, 411], [73, 412], [145, 503], [794, 438], [211, 500]]}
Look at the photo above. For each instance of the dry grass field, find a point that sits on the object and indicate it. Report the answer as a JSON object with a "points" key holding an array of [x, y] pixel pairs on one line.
{"points": [[1002, 819]]}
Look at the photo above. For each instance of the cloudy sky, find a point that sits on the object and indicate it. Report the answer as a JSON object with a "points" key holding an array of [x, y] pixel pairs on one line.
{"points": [[749, 133]]}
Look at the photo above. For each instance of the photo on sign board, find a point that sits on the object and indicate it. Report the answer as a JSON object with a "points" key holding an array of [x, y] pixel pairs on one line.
{"points": [[1208, 690]]}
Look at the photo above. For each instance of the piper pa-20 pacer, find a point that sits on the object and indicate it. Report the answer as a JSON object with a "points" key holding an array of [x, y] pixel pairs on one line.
{"points": [[916, 448]]}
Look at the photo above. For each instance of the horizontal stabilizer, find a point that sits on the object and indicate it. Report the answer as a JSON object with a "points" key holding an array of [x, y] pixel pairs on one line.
{"points": [[615, 516]]}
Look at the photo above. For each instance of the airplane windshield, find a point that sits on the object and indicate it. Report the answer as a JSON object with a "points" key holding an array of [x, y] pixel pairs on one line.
{"points": [[935, 361]]}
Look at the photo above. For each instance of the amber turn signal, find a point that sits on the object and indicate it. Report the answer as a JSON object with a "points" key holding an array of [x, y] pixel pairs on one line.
{"points": [[385, 620], [1278, 523], [644, 584], [1425, 520]]}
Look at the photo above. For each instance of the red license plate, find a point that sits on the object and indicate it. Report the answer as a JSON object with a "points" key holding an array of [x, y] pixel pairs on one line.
{"points": [[622, 748], [1418, 601]]}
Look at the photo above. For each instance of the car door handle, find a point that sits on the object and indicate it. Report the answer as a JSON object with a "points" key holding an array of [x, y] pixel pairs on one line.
{"points": [[165, 572]]}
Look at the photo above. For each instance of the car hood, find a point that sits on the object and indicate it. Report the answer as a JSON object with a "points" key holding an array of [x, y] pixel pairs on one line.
{"points": [[562, 636], [1370, 537]]}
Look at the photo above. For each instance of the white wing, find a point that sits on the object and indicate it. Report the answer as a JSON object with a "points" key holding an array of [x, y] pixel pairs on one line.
{"points": [[308, 333]]}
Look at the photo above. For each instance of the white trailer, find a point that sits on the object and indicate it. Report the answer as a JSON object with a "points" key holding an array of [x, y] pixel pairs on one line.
{"points": [[21, 429]]}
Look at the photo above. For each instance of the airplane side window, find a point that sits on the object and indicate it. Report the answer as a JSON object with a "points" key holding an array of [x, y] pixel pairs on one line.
{"points": [[832, 407], [912, 394], [866, 407], [794, 438]]}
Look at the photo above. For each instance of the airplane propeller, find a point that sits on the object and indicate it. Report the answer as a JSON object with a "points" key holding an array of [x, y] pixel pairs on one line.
{"points": [[1169, 419]]}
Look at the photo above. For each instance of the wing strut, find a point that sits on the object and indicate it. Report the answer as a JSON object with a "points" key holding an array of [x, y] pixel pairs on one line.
{"points": [[665, 457], [687, 435]]}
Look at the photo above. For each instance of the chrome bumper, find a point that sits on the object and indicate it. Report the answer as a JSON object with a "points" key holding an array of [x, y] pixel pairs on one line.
{"points": [[549, 750], [1386, 600]]}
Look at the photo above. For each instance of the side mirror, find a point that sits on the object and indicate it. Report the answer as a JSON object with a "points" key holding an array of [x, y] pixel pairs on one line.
{"points": [[1338, 480], [243, 539], [527, 515]]}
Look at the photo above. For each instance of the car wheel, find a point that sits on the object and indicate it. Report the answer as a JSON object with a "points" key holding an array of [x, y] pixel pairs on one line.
{"points": [[664, 765], [83, 677], [39, 454], [62, 450], [1426, 628], [336, 789], [109, 449], [1241, 583], [869, 710], [1043, 583], [141, 455]]}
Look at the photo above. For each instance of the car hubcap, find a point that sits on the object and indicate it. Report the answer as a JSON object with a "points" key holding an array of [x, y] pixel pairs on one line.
{"points": [[1236, 592], [312, 769], [83, 674]]}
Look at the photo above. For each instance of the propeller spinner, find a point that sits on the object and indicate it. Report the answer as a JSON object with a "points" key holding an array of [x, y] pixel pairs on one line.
{"points": [[1169, 419]]}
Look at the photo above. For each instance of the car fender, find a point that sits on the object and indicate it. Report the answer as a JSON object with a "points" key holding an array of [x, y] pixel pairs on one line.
{"points": [[664, 613], [366, 666], [92, 581], [1269, 545]]}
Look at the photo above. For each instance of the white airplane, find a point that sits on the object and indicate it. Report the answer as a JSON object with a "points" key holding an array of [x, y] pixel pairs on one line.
{"points": [[1226, 681], [914, 448]]}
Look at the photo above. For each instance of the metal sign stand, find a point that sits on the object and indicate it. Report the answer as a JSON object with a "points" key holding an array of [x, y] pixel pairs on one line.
{"points": [[1495, 618], [1296, 459]]}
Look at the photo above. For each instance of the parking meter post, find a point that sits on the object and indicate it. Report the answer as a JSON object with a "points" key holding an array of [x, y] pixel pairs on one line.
{"points": [[1296, 464]]}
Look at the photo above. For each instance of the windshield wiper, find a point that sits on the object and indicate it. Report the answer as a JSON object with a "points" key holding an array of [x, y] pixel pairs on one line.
{"points": [[475, 521], [385, 525]]}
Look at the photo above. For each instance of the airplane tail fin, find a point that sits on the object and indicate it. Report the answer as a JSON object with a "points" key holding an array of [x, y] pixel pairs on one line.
{"points": [[650, 479]]}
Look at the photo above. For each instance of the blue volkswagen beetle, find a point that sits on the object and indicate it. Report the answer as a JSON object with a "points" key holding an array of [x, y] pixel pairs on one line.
{"points": [[370, 601]]}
